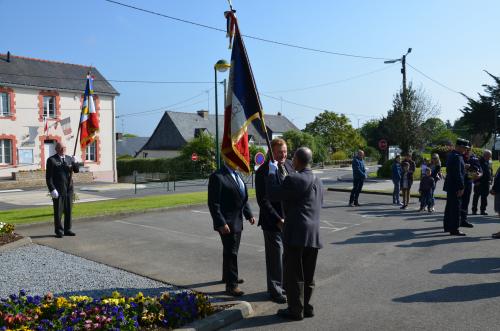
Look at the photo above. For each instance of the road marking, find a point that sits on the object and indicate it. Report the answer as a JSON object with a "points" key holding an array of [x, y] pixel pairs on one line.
{"points": [[9, 191], [333, 228], [200, 211], [259, 247]]}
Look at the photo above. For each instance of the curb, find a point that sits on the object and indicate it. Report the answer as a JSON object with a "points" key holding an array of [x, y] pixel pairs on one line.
{"points": [[239, 311], [413, 195], [16, 244]]}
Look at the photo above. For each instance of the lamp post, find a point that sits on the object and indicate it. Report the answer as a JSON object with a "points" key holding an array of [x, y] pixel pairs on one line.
{"points": [[403, 71], [221, 65]]}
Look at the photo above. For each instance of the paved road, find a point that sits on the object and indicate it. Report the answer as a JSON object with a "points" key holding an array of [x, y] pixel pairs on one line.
{"points": [[381, 268]]}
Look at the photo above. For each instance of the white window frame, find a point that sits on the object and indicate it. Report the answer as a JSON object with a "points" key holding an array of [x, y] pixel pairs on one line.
{"points": [[47, 111], [3, 148], [4, 96], [91, 152]]}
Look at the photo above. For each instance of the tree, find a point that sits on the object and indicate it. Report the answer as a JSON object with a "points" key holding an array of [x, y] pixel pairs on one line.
{"points": [[480, 116], [404, 125], [336, 131], [295, 139], [372, 133], [436, 132], [204, 147]]}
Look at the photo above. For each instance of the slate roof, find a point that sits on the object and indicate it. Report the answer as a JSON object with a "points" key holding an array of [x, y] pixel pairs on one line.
{"points": [[50, 75], [130, 146], [175, 129]]}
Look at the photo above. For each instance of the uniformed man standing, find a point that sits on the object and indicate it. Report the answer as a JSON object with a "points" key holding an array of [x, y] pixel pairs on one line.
{"points": [[472, 172], [482, 184], [454, 187]]}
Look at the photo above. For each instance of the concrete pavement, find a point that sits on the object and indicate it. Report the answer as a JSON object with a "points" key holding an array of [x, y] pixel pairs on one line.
{"points": [[381, 268]]}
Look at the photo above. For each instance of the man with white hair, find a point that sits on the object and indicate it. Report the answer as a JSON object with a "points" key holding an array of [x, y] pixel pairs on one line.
{"points": [[482, 184]]}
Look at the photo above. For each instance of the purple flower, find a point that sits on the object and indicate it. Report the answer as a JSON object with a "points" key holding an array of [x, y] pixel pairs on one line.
{"points": [[22, 293]]}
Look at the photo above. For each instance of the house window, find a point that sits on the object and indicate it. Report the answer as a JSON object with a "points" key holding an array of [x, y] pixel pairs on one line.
{"points": [[49, 107], [90, 154], [4, 104], [5, 151]]}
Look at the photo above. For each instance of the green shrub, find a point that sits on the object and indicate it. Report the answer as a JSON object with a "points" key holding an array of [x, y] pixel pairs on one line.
{"points": [[385, 171], [339, 155]]}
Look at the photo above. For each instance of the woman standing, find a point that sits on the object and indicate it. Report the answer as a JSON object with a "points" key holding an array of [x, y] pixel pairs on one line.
{"points": [[396, 179], [435, 173]]}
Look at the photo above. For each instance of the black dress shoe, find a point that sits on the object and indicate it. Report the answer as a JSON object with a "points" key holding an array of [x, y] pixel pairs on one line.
{"points": [[59, 235], [308, 311], [466, 225], [457, 233], [69, 233], [474, 213], [278, 299], [286, 313], [357, 205], [234, 291], [239, 281], [484, 213]]}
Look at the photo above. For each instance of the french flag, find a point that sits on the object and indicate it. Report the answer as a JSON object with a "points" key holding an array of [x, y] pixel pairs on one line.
{"points": [[243, 106]]}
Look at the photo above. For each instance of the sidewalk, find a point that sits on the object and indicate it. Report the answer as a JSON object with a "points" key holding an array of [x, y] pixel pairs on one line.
{"points": [[385, 185]]}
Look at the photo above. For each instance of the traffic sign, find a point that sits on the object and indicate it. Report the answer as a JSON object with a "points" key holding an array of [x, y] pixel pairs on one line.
{"points": [[259, 158], [382, 144], [194, 157]]}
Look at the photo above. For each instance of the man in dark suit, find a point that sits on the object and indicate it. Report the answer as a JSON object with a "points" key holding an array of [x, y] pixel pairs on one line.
{"points": [[59, 178], [302, 196], [271, 220], [454, 187], [228, 203], [358, 177], [482, 184]]}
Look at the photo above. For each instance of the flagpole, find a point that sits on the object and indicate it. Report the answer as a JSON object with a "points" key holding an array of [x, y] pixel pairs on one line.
{"points": [[80, 119], [77, 134]]}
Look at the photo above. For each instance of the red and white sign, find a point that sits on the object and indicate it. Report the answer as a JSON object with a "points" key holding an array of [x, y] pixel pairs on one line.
{"points": [[194, 157], [382, 144]]}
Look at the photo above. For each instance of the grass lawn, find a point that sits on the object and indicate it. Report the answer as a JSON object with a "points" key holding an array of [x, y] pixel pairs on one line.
{"points": [[108, 207]]}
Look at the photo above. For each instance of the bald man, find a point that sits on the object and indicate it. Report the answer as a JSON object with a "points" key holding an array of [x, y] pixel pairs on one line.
{"points": [[59, 180]]}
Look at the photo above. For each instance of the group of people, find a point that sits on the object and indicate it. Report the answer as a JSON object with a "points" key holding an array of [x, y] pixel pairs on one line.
{"points": [[290, 199], [467, 174]]}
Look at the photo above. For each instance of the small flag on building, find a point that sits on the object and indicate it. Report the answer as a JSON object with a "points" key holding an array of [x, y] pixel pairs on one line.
{"points": [[89, 122], [46, 126], [66, 126], [242, 105]]}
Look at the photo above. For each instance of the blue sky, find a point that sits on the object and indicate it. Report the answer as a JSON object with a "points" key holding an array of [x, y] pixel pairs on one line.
{"points": [[452, 41]]}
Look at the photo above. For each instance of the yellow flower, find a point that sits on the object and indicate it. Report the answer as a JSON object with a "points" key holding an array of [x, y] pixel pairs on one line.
{"points": [[60, 302]]}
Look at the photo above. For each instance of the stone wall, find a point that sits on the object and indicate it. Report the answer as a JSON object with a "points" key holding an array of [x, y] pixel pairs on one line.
{"points": [[25, 179]]}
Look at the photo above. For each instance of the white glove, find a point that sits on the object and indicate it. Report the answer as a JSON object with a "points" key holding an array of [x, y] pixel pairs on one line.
{"points": [[54, 194], [273, 167], [74, 159]]}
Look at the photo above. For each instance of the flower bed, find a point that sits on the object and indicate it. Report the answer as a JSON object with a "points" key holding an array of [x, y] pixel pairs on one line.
{"points": [[170, 310], [7, 234]]}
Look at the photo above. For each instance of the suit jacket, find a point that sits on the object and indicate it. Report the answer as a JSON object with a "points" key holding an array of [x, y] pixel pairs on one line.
{"points": [[59, 176], [225, 202], [270, 212], [358, 168], [455, 172], [302, 197]]}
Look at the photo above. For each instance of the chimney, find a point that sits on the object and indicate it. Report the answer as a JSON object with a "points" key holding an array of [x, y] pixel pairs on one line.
{"points": [[203, 113], [8, 56]]}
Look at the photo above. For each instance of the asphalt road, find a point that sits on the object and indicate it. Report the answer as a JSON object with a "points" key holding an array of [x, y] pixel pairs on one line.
{"points": [[381, 268]]}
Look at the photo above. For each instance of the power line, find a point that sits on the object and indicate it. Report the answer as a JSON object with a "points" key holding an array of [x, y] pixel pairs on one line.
{"points": [[334, 82], [247, 36], [435, 81]]}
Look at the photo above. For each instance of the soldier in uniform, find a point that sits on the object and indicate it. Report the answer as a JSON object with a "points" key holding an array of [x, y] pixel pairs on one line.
{"points": [[482, 184], [472, 173], [454, 187]]}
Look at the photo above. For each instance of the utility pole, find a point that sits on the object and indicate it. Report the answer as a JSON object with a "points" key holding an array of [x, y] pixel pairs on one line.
{"points": [[403, 72]]}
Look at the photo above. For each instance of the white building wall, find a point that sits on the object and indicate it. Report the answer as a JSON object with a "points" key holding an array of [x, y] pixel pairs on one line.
{"points": [[29, 132]]}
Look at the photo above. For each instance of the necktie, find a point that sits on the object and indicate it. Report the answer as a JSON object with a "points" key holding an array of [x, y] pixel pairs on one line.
{"points": [[240, 184], [282, 171]]}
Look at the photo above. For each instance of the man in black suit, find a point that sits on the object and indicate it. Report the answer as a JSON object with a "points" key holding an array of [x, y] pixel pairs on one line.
{"points": [[302, 196], [58, 175], [271, 220], [454, 186], [228, 203]]}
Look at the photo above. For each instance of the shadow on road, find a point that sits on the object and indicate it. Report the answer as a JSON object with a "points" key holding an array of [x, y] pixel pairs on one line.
{"points": [[263, 320], [455, 294], [393, 235], [450, 240], [471, 266]]}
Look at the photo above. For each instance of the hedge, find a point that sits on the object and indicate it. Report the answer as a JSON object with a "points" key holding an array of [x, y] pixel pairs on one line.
{"points": [[176, 167]]}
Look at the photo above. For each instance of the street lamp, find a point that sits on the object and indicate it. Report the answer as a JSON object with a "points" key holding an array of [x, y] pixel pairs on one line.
{"points": [[221, 66], [403, 71]]}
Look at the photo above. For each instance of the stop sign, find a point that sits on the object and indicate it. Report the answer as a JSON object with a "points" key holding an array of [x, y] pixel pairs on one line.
{"points": [[382, 144], [194, 157]]}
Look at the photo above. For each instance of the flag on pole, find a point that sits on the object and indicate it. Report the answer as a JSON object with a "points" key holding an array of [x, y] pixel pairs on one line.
{"points": [[242, 106], [89, 123]]}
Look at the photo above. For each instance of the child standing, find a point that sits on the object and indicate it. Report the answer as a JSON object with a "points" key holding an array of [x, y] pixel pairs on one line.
{"points": [[426, 188], [406, 181]]}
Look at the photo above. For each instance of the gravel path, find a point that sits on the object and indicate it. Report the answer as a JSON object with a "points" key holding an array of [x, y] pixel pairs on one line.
{"points": [[39, 269]]}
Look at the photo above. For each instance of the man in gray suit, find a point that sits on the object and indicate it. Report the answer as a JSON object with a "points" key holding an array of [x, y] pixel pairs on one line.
{"points": [[302, 196], [271, 220]]}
